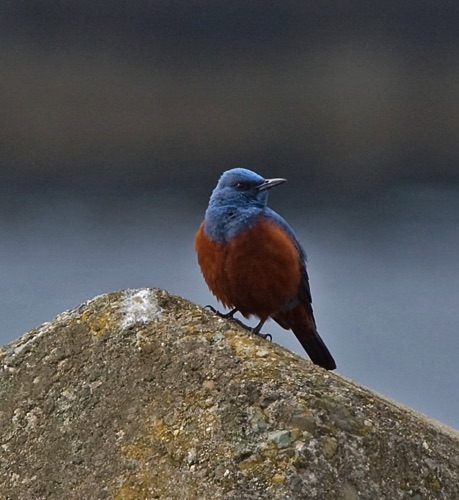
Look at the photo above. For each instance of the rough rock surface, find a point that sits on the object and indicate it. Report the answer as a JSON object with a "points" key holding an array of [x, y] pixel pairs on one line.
{"points": [[139, 394]]}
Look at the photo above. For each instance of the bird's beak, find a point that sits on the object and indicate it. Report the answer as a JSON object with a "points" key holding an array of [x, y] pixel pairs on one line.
{"points": [[269, 183]]}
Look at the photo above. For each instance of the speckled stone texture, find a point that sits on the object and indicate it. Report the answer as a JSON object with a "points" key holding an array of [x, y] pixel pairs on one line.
{"points": [[142, 395]]}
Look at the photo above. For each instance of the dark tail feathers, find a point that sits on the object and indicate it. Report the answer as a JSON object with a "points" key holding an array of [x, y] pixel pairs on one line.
{"points": [[316, 349], [301, 321]]}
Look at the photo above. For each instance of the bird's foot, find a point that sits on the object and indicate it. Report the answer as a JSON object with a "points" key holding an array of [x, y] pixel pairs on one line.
{"points": [[266, 336], [230, 315], [253, 331], [256, 331]]}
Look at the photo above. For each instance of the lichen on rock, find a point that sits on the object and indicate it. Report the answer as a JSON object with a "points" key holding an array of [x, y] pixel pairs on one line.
{"points": [[139, 394]]}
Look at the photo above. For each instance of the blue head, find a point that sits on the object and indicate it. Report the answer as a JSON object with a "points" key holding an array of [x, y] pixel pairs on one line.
{"points": [[238, 198]]}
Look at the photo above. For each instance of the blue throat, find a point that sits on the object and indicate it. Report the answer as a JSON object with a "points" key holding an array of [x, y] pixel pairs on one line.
{"points": [[225, 222]]}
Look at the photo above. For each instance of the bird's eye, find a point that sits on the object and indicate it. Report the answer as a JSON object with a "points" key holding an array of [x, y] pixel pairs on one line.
{"points": [[242, 186]]}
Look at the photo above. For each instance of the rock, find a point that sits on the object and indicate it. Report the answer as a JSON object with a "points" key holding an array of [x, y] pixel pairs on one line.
{"points": [[139, 394], [280, 438]]}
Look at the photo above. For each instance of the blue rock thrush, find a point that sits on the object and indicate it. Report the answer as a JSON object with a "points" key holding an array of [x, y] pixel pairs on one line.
{"points": [[253, 263]]}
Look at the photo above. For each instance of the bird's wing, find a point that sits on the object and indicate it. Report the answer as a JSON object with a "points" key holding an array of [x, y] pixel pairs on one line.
{"points": [[298, 314], [304, 291]]}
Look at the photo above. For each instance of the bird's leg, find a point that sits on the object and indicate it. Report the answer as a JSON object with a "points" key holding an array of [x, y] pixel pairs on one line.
{"points": [[228, 315], [256, 331]]}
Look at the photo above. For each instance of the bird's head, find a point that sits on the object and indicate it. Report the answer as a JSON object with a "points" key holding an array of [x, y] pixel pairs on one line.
{"points": [[242, 188]]}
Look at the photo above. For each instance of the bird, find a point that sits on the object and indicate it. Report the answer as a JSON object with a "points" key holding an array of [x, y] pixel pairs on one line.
{"points": [[254, 264]]}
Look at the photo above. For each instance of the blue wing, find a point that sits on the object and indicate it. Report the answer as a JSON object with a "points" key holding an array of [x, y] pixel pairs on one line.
{"points": [[305, 291], [298, 315]]}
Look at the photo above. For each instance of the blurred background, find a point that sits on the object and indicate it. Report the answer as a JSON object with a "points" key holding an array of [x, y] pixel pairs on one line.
{"points": [[118, 117]]}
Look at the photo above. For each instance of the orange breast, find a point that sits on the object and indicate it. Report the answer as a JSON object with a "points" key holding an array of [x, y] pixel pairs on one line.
{"points": [[211, 259], [258, 272]]}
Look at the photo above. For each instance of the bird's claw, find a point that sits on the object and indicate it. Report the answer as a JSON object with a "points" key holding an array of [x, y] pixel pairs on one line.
{"points": [[266, 336]]}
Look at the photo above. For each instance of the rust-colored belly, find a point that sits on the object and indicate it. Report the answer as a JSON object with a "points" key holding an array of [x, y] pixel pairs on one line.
{"points": [[258, 272]]}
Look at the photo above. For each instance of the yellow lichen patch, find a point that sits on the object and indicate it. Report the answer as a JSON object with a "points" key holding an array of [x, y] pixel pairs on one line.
{"points": [[250, 462], [151, 447], [278, 478], [143, 447], [249, 346], [170, 448], [243, 345], [261, 361], [136, 487], [98, 324]]}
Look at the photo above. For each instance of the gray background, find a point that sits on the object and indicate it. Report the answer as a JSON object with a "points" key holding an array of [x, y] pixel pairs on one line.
{"points": [[117, 119]]}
